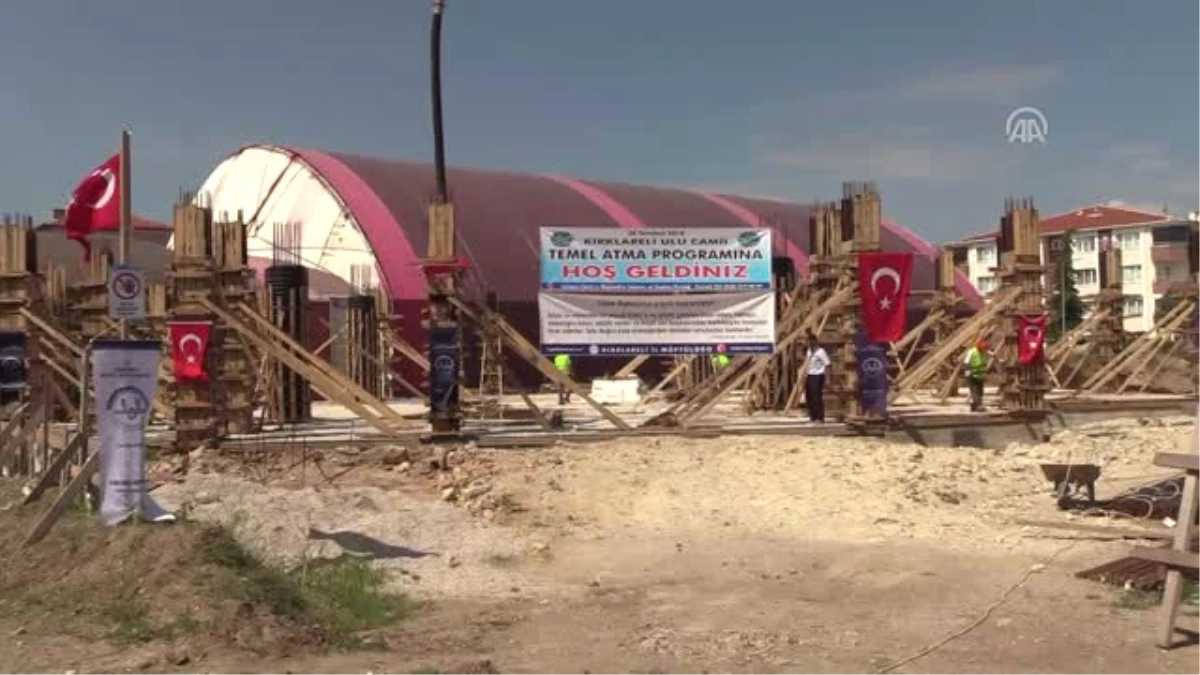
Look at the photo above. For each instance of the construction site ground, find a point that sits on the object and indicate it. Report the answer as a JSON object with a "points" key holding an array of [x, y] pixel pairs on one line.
{"points": [[333, 424], [745, 553]]}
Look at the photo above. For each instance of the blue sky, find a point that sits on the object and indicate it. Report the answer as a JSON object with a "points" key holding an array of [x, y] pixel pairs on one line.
{"points": [[781, 98]]}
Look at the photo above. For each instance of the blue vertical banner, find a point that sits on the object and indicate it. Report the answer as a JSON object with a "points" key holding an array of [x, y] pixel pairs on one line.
{"points": [[872, 358], [13, 372], [444, 357]]}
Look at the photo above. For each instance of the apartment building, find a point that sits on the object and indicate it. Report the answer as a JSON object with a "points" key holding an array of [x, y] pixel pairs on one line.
{"points": [[1154, 254]]}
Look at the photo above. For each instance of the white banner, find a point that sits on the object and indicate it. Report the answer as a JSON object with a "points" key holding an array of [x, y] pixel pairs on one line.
{"points": [[125, 375], [655, 260], [600, 325]]}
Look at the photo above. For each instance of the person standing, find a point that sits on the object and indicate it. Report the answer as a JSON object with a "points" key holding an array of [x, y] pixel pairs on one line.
{"points": [[562, 363], [814, 380], [975, 361], [720, 360]]}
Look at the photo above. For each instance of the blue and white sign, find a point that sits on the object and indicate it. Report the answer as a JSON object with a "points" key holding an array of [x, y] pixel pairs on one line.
{"points": [[669, 260], [126, 293]]}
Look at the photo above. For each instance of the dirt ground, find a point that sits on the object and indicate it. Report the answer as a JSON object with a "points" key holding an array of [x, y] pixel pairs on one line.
{"points": [[740, 554]]}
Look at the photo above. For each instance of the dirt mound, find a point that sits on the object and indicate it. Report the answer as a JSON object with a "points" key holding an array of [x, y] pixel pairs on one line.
{"points": [[184, 589]]}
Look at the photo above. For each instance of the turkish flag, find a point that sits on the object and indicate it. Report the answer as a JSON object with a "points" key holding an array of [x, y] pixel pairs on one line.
{"points": [[95, 204], [189, 344], [1031, 339], [884, 282]]}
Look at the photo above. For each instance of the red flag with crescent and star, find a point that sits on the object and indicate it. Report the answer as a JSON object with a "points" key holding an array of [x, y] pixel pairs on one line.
{"points": [[189, 344], [884, 282], [95, 204], [1031, 339]]}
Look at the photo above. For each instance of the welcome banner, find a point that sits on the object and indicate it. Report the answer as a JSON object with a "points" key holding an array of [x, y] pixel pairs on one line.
{"points": [[125, 376], [596, 259]]}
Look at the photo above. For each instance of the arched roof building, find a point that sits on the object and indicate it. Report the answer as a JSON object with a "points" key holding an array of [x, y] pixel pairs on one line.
{"points": [[356, 210]]}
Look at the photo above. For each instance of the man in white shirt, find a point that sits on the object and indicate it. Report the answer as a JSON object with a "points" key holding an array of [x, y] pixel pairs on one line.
{"points": [[814, 381]]}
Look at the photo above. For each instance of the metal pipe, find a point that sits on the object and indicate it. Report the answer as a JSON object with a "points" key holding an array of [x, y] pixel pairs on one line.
{"points": [[435, 86], [84, 397]]}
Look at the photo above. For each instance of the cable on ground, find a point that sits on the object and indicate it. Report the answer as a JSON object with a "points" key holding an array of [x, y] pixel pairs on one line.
{"points": [[987, 613]]}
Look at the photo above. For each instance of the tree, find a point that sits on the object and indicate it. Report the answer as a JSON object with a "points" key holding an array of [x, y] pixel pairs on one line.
{"points": [[1066, 308], [1166, 303]]}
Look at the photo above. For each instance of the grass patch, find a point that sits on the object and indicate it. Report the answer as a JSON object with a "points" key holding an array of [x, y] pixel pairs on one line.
{"points": [[1152, 598], [341, 597], [1137, 599], [138, 584]]}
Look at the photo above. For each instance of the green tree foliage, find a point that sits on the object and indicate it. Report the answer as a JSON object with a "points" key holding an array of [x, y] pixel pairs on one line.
{"points": [[1065, 301], [1167, 303]]}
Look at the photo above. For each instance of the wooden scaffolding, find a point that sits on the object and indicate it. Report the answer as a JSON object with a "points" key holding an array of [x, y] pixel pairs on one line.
{"points": [[24, 414], [1023, 388], [1100, 336]]}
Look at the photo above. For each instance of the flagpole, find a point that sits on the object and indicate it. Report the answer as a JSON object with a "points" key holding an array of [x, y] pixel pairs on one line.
{"points": [[126, 215]]}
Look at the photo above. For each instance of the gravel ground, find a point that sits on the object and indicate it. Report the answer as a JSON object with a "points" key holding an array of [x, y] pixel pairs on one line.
{"points": [[469, 558], [824, 488], [771, 487]]}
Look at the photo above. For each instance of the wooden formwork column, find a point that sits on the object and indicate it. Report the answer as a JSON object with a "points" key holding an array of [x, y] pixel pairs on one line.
{"points": [[287, 290], [825, 244], [362, 338], [157, 316], [20, 290], [383, 322], [491, 365], [237, 371], [192, 280], [55, 295], [861, 216], [824, 238], [1108, 335], [1023, 387], [697, 371], [945, 302], [771, 390], [92, 296]]}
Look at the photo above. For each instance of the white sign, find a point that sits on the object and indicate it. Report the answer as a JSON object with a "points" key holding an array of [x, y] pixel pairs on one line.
{"points": [[1026, 125], [126, 293], [125, 374], [617, 325], [615, 392]]}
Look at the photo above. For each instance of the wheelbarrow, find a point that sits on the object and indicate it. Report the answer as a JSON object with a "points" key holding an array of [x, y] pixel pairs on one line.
{"points": [[1069, 479]]}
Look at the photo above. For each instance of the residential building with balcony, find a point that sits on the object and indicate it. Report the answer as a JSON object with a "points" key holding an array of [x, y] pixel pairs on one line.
{"points": [[1154, 254]]}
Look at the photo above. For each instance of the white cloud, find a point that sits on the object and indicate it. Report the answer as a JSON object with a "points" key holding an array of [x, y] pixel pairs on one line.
{"points": [[911, 155], [990, 85], [1140, 156], [1144, 172], [765, 189]]}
